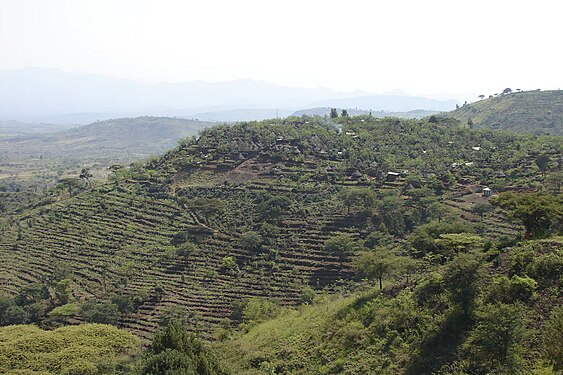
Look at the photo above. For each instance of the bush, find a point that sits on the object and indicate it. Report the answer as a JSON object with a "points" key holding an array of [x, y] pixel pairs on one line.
{"points": [[15, 315], [552, 333], [517, 288], [105, 313], [5, 303], [72, 350], [176, 351], [251, 240], [548, 268], [178, 315], [521, 259], [32, 294], [461, 279], [169, 361], [428, 292], [185, 250], [62, 313], [308, 296], [495, 343], [545, 268], [377, 238], [258, 309], [124, 303], [229, 264]]}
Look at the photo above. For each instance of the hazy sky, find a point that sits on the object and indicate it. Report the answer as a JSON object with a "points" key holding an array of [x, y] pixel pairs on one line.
{"points": [[420, 46]]}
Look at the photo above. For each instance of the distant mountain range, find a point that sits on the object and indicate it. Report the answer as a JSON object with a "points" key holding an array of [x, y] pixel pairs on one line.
{"points": [[538, 112], [54, 96], [18, 128]]}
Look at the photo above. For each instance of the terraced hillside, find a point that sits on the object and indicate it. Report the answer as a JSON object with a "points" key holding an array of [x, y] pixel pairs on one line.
{"points": [[38, 157], [535, 112], [264, 195]]}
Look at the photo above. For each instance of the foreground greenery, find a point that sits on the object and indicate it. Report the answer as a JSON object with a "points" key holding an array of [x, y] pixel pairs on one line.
{"points": [[482, 312], [84, 349]]}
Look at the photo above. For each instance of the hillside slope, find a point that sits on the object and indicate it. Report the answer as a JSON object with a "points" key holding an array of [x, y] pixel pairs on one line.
{"points": [[537, 112], [245, 211], [415, 327], [132, 137]]}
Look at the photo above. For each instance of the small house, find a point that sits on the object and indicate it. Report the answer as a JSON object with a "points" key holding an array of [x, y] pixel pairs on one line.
{"points": [[392, 176], [487, 192]]}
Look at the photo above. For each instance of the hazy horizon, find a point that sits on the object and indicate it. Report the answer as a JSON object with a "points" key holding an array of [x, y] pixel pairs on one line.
{"points": [[55, 96], [435, 49]]}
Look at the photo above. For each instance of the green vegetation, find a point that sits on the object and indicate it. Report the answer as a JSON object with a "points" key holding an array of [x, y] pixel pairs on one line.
{"points": [[75, 158], [175, 351], [83, 349], [307, 245], [537, 112], [540, 213], [447, 321]]}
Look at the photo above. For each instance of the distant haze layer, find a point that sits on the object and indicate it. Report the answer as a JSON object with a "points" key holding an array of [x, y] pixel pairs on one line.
{"points": [[50, 95]]}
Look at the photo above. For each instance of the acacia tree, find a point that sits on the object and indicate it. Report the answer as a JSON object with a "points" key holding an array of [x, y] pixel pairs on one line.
{"points": [[85, 175], [364, 198], [206, 206], [540, 213], [481, 209], [340, 246], [375, 265], [71, 184], [542, 162]]}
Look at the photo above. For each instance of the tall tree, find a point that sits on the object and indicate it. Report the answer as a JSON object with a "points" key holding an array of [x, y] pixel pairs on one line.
{"points": [[85, 175], [540, 213], [375, 265], [542, 162]]}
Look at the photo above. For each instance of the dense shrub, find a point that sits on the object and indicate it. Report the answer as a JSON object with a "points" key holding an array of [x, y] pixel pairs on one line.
{"points": [[258, 309], [495, 344], [83, 349], [175, 351], [105, 313], [516, 288], [552, 334]]}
